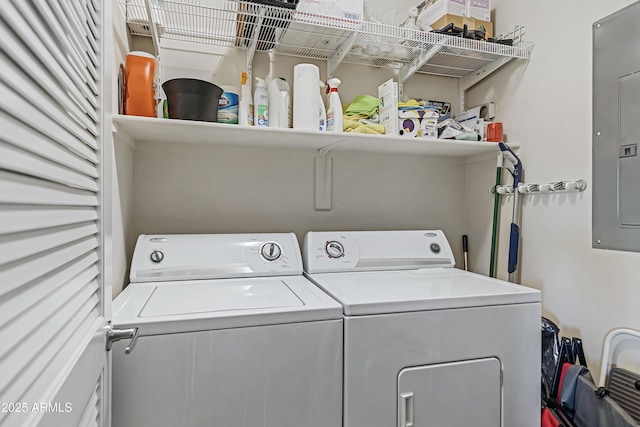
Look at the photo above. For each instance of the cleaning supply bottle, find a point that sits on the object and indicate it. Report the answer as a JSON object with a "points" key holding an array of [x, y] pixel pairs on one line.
{"points": [[261, 104], [334, 113], [279, 103], [245, 109], [322, 113]]}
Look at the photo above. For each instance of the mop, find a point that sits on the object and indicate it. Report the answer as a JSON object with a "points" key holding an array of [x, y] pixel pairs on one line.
{"points": [[514, 166]]}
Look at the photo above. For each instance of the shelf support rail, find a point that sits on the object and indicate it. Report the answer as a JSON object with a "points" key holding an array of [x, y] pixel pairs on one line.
{"points": [[424, 56], [324, 182]]}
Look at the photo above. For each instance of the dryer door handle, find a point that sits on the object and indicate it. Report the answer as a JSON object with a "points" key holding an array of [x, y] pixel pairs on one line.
{"points": [[406, 410]]}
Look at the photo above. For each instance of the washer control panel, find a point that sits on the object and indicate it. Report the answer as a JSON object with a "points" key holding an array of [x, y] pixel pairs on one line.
{"points": [[325, 252], [215, 256]]}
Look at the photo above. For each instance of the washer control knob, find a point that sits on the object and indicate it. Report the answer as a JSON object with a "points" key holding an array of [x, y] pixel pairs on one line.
{"points": [[156, 257], [435, 248], [271, 251], [334, 249]]}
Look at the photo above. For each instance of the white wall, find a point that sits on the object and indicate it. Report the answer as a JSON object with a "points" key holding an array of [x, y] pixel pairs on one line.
{"points": [[546, 107]]}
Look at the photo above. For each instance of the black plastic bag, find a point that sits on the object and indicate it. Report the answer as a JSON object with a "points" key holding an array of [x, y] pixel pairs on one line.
{"points": [[550, 353]]}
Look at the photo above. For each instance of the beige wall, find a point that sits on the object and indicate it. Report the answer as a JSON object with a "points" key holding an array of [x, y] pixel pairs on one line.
{"points": [[203, 189], [546, 107]]}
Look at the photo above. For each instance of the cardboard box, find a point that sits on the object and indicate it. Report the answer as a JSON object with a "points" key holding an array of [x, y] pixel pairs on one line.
{"points": [[439, 8], [479, 9], [460, 21], [418, 123], [343, 10], [388, 93]]}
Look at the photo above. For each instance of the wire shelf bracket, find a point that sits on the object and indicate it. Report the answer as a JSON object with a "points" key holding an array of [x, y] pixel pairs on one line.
{"points": [[336, 58], [469, 81], [424, 56]]}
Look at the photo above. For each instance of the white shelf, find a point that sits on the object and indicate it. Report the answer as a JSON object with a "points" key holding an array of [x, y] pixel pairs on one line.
{"points": [[150, 130], [251, 26]]}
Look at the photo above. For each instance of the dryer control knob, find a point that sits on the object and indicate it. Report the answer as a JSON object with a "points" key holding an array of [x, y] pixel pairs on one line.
{"points": [[271, 251], [156, 257], [334, 249]]}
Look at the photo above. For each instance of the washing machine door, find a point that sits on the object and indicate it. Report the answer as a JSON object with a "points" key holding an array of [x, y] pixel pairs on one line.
{"points": [[466, 393]]}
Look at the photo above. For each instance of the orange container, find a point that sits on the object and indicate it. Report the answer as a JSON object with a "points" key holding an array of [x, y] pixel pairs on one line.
{"points": [[494, 132], [141, 69]]}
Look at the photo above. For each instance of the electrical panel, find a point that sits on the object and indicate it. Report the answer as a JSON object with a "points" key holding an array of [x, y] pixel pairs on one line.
{"points": [[616, 131]]}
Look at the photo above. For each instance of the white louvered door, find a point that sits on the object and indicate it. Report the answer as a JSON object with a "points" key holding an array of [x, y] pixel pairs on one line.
{"points": [[55, 152]]}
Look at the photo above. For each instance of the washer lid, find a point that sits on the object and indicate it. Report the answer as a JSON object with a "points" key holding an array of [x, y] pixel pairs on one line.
{"points": [[205, 298], [381, 292], [198, 305]]}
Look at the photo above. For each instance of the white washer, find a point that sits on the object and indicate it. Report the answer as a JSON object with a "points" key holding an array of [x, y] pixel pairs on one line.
{"points": [[230, 334], [427, 344]]}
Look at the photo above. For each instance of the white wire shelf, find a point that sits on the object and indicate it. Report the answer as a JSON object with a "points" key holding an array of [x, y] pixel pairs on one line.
{"points": [[253, 26]]}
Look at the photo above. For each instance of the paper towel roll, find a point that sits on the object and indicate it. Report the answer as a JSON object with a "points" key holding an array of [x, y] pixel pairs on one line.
{"points": [[305, 96]]}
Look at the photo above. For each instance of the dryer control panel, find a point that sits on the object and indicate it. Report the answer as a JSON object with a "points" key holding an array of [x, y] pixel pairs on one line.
{"points": [[340, 251], [171, 257]]}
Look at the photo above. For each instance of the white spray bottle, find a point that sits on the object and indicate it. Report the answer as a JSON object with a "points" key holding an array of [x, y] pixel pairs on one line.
{"points": [[334, 113], [245, 114], [322, 113], [261, 104]]}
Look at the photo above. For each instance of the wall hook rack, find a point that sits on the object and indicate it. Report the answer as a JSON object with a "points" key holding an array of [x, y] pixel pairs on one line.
{"points": [[566, 186]]}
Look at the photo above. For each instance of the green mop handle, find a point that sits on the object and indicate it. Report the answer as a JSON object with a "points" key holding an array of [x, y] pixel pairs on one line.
{"points": [[496, 215]]}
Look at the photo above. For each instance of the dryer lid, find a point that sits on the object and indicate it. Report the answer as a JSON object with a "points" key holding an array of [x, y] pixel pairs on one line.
{"points": [[199, 305], [382, 292]]}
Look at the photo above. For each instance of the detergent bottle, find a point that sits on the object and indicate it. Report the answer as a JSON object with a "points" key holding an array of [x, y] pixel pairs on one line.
{"points": [[334, 113], [261, 104], [279, 103]]}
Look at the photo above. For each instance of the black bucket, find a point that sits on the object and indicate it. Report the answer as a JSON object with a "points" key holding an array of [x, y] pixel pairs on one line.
{"points": [[192, 99]]}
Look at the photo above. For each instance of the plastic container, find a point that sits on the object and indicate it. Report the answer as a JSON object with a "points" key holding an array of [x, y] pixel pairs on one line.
{"points": [[228, 105], [335, 121], [494, 132], [279, 103], [261, 104], [305, 91], [141, 84], [245, 108], [192, 99]]}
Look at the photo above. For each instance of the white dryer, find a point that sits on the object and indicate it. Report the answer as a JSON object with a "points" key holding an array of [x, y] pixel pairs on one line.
{"points": [[229, 334], [426, 344]]}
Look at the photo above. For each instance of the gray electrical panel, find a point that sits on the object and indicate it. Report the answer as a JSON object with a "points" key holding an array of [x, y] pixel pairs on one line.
{"points": [[616, 131]]}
